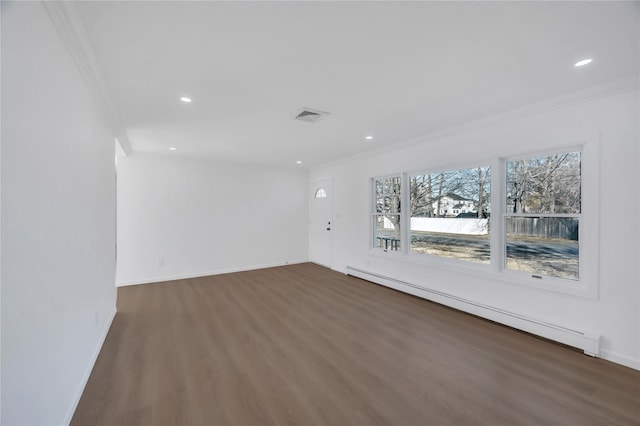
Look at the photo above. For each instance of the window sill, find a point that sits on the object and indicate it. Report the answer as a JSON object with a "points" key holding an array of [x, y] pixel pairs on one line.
{"points": [[587, 290]]}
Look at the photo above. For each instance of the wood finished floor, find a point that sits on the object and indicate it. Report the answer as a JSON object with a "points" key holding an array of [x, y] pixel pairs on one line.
{"points": [[303, 345]]}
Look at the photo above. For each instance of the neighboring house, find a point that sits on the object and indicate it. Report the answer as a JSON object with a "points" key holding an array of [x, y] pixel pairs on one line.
{"points": [[451, 205]]}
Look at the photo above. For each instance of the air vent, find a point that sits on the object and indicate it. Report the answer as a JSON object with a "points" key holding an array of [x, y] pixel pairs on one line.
{"points": [[310, 116]]}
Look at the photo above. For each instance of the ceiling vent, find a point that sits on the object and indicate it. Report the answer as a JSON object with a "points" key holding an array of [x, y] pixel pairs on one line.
{"points": [[310, 115]]}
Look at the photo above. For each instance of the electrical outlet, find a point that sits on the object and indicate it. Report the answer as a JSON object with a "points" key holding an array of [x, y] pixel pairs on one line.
{"points": [[161, 262]]}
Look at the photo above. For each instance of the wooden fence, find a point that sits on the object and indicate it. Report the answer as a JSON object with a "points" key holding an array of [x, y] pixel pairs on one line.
{"points": [[548, 227]]}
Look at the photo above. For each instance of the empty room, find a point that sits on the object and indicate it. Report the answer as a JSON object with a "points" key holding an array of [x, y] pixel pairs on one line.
{"points": [[320, 213]]}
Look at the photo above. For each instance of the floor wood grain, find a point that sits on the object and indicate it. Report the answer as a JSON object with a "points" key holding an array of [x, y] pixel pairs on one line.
{"points": [[303, 345]]}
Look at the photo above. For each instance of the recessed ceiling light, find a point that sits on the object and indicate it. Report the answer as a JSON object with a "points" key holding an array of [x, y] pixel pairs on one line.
{"points": [[368, 137], [299, 162], [173, 148], [185, 99], [583, 62]]}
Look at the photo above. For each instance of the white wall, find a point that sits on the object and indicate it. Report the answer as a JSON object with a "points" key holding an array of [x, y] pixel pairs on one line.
{"points": [[58, 223], [184, 217], [614, 117]]}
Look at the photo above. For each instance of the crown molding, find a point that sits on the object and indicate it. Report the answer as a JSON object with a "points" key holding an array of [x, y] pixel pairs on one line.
{"points": [[610, 88], [68, 23]]}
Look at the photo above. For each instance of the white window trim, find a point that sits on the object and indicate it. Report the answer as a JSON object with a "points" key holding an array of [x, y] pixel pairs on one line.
{"points": [[589, 228]]}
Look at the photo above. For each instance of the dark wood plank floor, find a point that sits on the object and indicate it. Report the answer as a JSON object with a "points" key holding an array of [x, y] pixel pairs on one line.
{"points": [[303, 345]]}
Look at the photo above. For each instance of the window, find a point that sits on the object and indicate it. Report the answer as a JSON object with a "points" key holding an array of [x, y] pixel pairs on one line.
{"points": [[386, 216], [321, 193], [539, 228], [450, 214], [542, 215]]}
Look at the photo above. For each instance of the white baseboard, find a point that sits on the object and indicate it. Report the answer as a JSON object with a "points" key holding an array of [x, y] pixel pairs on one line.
{"points": [[587, 341], [203, 274], [627, 361], [87, 373]]}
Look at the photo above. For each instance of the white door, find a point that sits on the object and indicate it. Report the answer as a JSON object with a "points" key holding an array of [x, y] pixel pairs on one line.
{"points": [[320, 221]]}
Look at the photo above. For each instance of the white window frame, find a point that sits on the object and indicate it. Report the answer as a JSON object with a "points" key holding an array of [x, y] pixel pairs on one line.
{"points": [[373, 210], [588, 226], [588, 229], [435, 260]]}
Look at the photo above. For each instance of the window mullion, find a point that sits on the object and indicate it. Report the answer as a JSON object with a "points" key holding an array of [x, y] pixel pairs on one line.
{"points": [[498, 221], [405, 214]]}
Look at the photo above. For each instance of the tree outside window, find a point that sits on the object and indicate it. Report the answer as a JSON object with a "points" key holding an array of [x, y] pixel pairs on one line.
{"points": [[386, 218], [543, 212], [450, 214]]}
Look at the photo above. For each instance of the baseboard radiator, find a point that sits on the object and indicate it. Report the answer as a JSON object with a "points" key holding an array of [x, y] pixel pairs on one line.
{"points": [[588, 342]]}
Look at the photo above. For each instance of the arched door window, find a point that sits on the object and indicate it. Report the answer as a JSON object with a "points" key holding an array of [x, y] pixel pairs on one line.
{"points": [[321, 193]]}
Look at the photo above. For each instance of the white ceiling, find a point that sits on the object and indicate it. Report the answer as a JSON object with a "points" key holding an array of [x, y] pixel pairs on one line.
{"points": [[393, 70]]}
